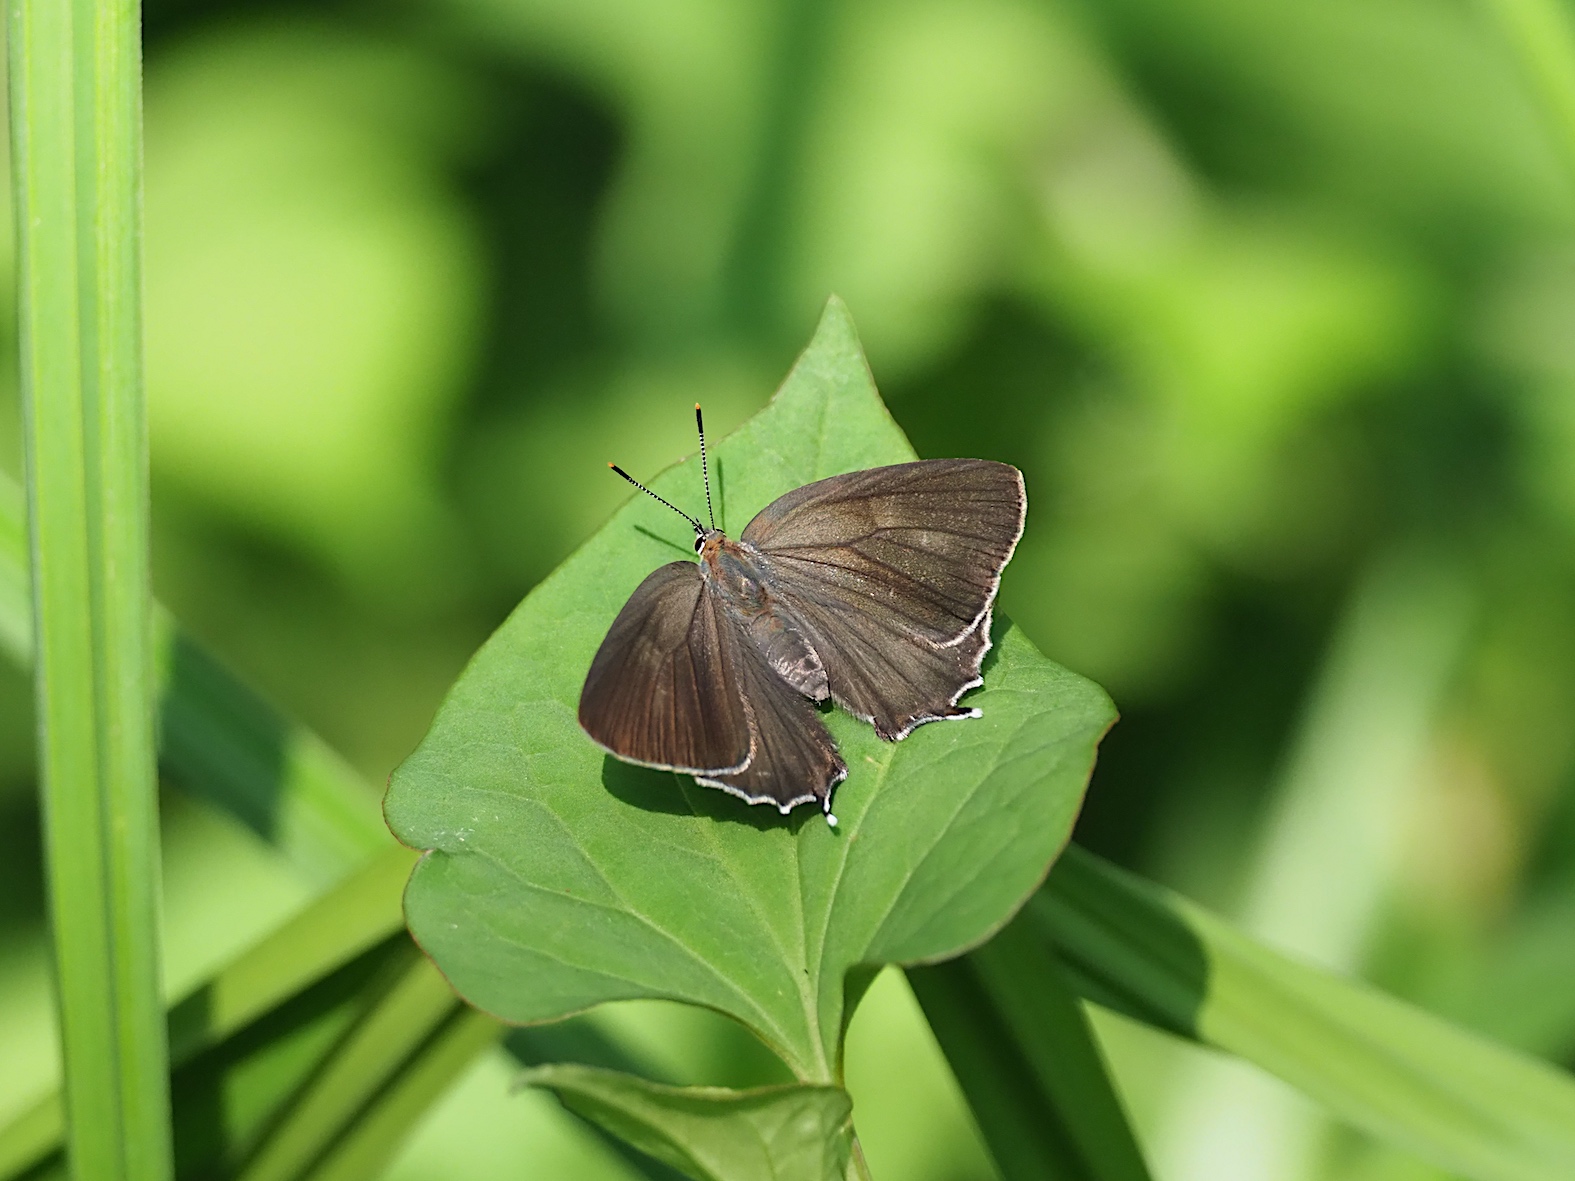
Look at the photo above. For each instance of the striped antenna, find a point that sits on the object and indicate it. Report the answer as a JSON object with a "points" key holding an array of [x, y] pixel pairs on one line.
{"points": [[705, 472], [699, 528]]}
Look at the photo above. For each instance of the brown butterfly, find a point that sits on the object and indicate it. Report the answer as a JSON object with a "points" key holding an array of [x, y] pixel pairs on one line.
{"points": [[873, 589]]}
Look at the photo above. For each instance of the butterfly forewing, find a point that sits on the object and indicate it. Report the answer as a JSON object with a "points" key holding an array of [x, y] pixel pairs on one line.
{"points": [[664, 687], [921, 543], [891, 574]]}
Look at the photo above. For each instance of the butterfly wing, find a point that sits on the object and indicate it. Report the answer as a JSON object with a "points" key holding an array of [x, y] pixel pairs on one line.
{"points": [[891, 574], [664, 689], [795, 760]]}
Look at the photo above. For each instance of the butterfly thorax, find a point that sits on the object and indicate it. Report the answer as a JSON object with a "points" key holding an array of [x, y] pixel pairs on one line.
{"points": [[736, 572]]}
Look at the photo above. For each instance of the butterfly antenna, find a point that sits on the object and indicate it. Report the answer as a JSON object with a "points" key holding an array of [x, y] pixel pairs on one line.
{"points": [[705, 472], [699, 528]]}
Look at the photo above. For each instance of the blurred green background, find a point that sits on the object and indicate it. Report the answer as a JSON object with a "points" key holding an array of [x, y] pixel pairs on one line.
{"points": [[1272, 302]]}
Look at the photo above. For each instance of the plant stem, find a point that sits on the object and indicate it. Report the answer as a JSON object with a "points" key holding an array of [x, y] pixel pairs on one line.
{"points": [[858, 1167], [76, 131]]}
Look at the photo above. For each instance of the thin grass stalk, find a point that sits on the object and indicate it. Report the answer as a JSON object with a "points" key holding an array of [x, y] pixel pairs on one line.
{"points": [[76, 134], [1020, 1047], [1471, 1107], [416, 1003], [374, 1138]]}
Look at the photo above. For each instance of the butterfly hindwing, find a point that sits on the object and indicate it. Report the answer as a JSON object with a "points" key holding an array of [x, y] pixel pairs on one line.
{"points": [[795, 759]]}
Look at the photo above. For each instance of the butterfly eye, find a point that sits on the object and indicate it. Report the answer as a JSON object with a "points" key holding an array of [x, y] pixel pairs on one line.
{"points": [[699, 543]]}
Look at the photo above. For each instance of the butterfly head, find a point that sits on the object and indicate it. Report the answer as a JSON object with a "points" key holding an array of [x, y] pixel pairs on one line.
{"points": [[708, 541]]}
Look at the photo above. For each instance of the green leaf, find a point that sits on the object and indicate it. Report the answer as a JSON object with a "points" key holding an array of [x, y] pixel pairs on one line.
{"points": [[792, 1133], [1019, 1043], [560, 878], [77, 138], [1467, 1105]]}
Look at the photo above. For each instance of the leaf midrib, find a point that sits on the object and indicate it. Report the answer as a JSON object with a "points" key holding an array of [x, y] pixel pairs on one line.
{"points": [[811, 1026], [816, 978]]}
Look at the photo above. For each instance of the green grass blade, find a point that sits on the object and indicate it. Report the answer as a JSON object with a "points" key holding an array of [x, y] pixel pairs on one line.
{"points": [[231, 1097], [352, 919], [32, 1137], [221, 742], [415, 1007], [76, 133], [1020, 1045], [1457, 1100], [16, 611], [367, 1146]]}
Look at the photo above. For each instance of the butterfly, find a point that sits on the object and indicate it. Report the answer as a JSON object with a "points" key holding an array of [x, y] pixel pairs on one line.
{"points": [[871, 589]]}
